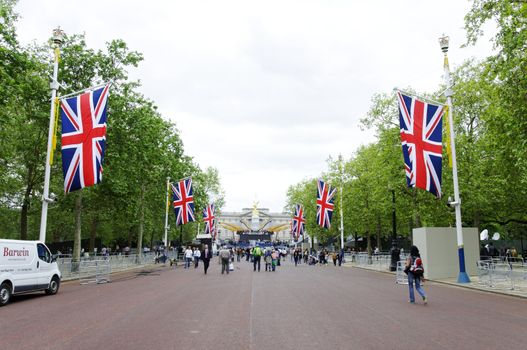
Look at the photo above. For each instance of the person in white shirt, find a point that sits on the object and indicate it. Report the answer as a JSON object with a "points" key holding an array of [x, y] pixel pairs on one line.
{"points": [[188, 257], [197, 255]]}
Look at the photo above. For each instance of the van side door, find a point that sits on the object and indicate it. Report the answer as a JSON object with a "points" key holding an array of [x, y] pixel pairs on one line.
{"points": [[44, 267]]}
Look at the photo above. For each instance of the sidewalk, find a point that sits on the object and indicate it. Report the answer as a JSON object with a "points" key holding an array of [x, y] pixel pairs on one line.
{"points": [[474, 284]]}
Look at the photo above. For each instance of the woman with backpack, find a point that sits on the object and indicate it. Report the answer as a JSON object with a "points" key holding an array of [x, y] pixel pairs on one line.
{"points": [[414, 271]]}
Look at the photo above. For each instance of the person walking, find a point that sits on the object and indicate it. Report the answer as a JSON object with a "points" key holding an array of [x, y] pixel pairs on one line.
{"points": [[188, 257], [267, 259], [197, 255], [296, 256], [206, 255], [225, 257], [414, 278], [274, 259], [257, 255]]}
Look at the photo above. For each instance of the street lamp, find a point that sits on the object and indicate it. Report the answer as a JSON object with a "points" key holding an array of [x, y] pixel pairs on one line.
{"points": [[443, 42], [395, 252], [58, 40], [463, 276]]}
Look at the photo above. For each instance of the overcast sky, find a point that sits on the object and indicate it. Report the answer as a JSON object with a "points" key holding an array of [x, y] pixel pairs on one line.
{"points": [[265, 91]]}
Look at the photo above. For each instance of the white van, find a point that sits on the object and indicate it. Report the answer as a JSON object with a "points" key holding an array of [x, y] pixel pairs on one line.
{"points": [[26, 266]]}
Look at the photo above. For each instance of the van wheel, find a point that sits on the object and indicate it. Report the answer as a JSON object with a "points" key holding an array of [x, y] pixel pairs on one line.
{"points": [[53, 286], [5, 294]]}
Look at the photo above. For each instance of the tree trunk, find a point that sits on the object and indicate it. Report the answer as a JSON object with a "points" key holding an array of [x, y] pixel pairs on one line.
{"points": [[368, 247], [142, 222], [379, 232], [93, 232], [77, 236], [25, 206]]}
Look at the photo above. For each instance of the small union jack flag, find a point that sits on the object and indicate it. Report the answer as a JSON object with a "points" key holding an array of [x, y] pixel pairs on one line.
{"points": [[298, 222], [421, 137], [325, 198], [183, 201], [210, 220], [83, 138]]}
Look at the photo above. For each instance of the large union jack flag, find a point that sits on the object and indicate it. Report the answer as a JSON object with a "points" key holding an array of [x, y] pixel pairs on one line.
{"points": [[298, 222], [325, 199], [421, 136], [83, 138], [210, 220], [183, 201]]}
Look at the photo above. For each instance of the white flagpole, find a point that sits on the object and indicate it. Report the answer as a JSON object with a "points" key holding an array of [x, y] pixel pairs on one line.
{"points": [[58, 39], [341, 217], [166, 213], [463, 276]]}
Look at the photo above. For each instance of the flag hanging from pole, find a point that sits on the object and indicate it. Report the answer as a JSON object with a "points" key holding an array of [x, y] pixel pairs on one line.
{"points": [[183, 201], [83, 138], [298, 222], [210, 220], [325, 199], [421, 137]]}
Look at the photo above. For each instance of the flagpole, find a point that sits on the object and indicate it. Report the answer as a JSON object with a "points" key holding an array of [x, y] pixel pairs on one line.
{"points": [[463, 276], [166, 213], [58, 39], [340, 209]]}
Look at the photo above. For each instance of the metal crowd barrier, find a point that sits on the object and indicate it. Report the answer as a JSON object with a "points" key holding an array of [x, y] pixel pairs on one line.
{"points": [[101, 265], [400, 276], [510, 274], [94, 271]]}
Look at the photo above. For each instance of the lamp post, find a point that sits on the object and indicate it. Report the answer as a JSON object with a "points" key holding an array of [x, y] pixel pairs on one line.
{"points": [[58, 40], [463, 276], [341, 172], [395, 252], [167, 204]]}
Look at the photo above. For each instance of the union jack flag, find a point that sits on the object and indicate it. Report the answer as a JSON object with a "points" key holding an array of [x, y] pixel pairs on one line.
{"points": [[183, 201], [298, 222], [325, 199], [83, 138], [421, 136], [210, 219]]}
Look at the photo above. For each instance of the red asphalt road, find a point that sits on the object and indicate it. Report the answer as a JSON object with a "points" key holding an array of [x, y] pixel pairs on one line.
{"points": [[292, 308]]}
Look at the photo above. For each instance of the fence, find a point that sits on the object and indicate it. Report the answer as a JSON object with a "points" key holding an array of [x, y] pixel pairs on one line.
{"points": [[98, 268], [503, 274]]}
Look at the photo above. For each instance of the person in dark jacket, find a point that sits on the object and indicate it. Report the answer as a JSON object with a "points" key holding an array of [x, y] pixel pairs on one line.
{"points": [[206, 255]]}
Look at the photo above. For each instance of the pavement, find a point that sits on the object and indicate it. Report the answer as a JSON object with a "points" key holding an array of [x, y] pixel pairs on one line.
{"points": [[295, 307], [519, 291]]}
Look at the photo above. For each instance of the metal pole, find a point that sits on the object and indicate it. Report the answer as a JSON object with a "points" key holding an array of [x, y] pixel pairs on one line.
{"points": [[341, 216], [166, 213], [463, 276], [54, 85], [394, 222]]}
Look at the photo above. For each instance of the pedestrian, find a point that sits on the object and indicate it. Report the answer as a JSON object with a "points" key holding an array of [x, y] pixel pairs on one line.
{"points": [[410, 262], [257, 255], [197, 255], [238, 254], [225, 257], [274, 257], [267, 259], [188, 257], [206, 255], [341, 256], [334, 257], [296, 256]]}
